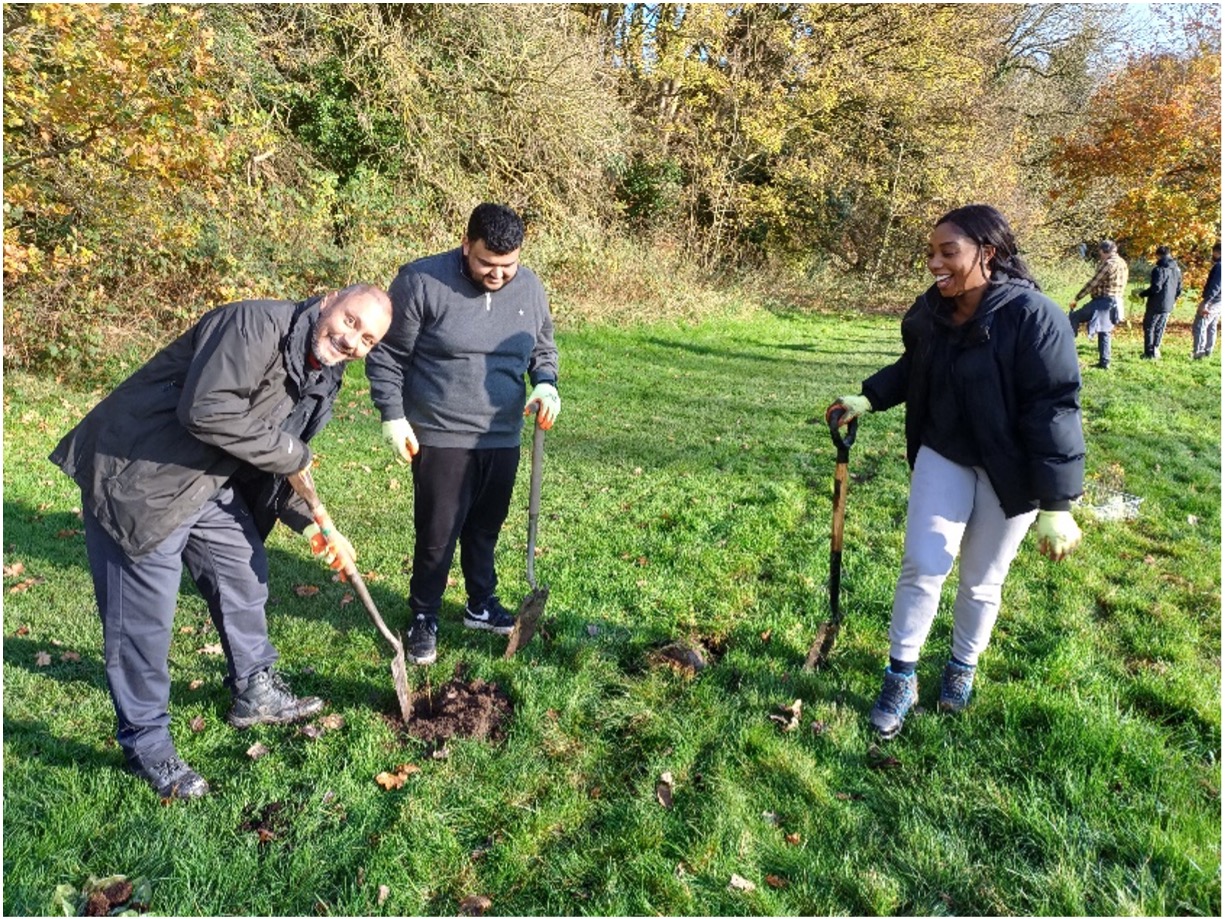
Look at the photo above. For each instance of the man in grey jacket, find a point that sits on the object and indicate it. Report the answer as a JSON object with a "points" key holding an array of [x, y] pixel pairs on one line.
{"points": [[185, 463], [468, 324]]}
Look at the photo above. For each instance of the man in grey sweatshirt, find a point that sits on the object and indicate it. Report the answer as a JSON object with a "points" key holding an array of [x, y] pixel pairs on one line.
{"points": [[467, 325]]}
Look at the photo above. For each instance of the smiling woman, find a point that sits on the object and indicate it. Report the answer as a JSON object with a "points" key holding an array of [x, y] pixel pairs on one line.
{"points": [[991, 386]]}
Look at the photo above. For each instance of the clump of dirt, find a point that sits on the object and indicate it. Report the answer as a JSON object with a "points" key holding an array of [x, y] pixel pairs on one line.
{"points": [[473, 709], [101, 902], [268, 823]]}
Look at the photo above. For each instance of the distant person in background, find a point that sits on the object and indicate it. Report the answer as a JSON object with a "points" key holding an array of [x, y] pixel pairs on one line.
{"points": [[1105, 308], [469, 324], [184, 464], [1164, 289], [991, 386], [1208, 315]]}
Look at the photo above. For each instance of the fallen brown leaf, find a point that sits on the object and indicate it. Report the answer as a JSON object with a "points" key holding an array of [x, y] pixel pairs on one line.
{"points": [[42, 659], [791, 720], [474, 905], [197, 724], [187, 630], [214, 648], [256, 750], [265, 835], [332, 722], [22, 630], [663, 789], [313, 731], [70, 656], [739, 883], [346, 599], [793, 839], [765, 636], [306, 590], [776, 882], [390, 781], [195, 684], [68, 533], [22, 586], [11, 571], [384, 893]]}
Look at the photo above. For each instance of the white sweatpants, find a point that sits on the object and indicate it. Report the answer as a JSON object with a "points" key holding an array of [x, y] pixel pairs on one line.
{"points": [[952, 510]]}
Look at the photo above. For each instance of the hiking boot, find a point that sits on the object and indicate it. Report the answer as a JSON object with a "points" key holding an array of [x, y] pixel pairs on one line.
{"points": [[897, 695], [422, 644], [267, 699], [955, 687], [490, 615], [170, 777]]}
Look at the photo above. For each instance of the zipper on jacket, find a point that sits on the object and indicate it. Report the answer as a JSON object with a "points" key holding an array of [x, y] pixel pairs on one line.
{"points": [[488, 301]]}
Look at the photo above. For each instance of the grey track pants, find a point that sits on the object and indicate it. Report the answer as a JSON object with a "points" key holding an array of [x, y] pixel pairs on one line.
{"points": [[137, 599], [952, 510]]}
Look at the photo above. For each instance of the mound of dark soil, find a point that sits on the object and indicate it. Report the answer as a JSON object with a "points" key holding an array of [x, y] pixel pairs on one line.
{"points": [[476, 709]]}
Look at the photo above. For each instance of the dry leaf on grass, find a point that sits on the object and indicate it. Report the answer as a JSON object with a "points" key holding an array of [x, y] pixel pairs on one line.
{"points": [[306, 590], [474, 905], [68, 533], [70, 656], [11, 571], [776, 882], [793, 839], [22, 630], [256, 750], [346, 599], [313, 731], [791, 720], [42, 659], [22, 586], [332, 722], [393, 780], [197, 724], [384, 893], [214, 648], [187, 630], [879, 759], [739, 883], [663, 789], [195, 684]]}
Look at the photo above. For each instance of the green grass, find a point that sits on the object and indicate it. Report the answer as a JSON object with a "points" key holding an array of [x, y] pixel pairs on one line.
{"points": [[687, 495]]}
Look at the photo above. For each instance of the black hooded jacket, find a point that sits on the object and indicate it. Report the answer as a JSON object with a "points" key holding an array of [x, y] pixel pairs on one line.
{"points": [[1164, 288], [231, 401], [1018, 384]]}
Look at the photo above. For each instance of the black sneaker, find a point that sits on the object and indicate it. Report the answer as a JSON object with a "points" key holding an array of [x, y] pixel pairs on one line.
{"points": [[267, 699], [422, 645], [170, 777], [491, 616]]}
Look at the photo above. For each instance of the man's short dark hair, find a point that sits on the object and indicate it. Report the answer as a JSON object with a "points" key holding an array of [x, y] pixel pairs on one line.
{"points": [[1163, 251], [1107, 245], [498, 226]]}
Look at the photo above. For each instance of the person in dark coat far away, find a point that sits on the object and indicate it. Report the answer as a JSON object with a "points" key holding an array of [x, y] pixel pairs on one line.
{"points": [[184, 463], [1163, 291], [993, 434], [1208, 313]]}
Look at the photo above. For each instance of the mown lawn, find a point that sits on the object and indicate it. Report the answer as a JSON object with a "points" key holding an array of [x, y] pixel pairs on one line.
{"points": [[687, 495]]}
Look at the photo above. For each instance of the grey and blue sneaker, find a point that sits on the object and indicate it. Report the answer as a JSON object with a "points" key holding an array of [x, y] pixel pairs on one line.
{"points": [[422, 644], [955, 687], [897, 695], [490, 615]]}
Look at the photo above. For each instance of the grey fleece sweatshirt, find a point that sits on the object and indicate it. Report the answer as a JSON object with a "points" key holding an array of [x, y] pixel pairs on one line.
{"points": [[454, 359]]}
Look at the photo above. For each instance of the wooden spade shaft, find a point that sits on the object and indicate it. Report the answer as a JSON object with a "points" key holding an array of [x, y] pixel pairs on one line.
{"points": [[303, 483]]}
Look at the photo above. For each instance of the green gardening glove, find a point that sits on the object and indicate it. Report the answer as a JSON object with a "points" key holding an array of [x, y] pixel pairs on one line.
{"points": [[1058, 534], [402, 438], [852, 407], [548, 404]]}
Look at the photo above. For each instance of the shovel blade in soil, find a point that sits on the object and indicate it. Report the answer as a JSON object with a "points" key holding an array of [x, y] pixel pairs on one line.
{"points": [[819, 653], [530, 611], [399, 676]]}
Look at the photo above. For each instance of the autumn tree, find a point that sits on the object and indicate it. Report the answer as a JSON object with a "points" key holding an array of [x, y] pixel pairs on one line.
{"points": [[1150, 153]]}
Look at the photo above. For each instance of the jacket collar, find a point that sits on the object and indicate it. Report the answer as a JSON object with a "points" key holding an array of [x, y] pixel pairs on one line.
{"points": [[297, 343]]}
